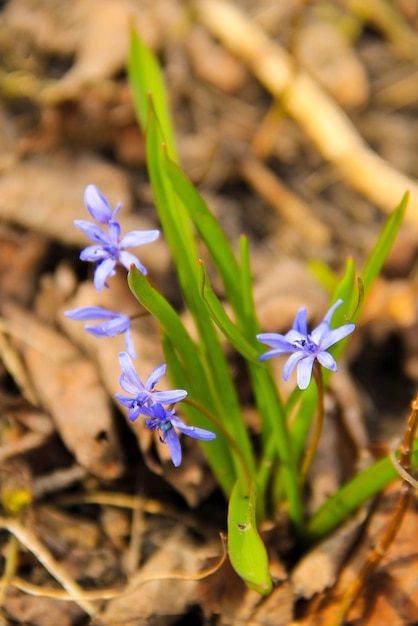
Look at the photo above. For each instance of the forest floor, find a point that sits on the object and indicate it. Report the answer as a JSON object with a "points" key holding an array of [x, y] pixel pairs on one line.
{"points": [[298, 122]]}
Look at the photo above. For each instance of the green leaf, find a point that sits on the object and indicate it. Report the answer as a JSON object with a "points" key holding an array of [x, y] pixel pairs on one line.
{"points": [[351, 496], [186, 370], [210, 231], [246, 549], [148, 84], [381, 250], [224, 323]]}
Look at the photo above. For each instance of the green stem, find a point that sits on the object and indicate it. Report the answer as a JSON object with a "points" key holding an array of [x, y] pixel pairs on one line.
{"points": [[313, 444], [226, 434]]}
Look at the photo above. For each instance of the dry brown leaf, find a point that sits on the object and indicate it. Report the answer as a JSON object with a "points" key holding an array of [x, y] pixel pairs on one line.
{"points": [[46, 195], [318, 569], [162, 601], [390, 596], [70, 390], [18, 280]]}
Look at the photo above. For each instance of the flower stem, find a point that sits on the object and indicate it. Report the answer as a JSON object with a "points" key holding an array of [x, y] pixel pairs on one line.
{"points": [[231, 441], [404, 466], [313, 444]]}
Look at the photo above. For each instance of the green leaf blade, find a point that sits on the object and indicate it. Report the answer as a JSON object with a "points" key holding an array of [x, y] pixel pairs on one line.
{"points": [[246, 549]]}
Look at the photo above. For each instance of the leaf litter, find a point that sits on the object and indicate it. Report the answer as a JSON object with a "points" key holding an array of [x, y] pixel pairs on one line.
{"points": [[67, 120]]}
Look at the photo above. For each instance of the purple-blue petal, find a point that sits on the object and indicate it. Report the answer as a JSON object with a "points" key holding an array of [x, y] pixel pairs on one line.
{"points": [[97, 205], [300, 323], [336, 335], [138, 238], [105, 269], [86, 313], [327, 360], [134, 412], [114, 232], [331, 311], [93, 232], [171, 438], [169, 397], [94, 253], [304, 371], [130, 344], [291, 362], [129, 372], [155, 376], [192, 431], [125, 400], [127, 259], [110, 328]]}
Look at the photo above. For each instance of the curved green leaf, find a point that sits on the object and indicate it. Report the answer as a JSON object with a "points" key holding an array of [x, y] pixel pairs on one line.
{"points": [[246, 549]]}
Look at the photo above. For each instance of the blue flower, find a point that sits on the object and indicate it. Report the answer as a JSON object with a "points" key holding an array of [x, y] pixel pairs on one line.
{"points": [[115, 323], [109, 248], [165, 421], [305, 347], [144, 395]]}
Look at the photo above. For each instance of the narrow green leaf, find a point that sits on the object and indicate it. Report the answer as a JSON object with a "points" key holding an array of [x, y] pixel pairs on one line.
{"points": [[378, 256], [246, 549], [224, 323], [351, 496], [147, 81], [218, 451], [210, 231], [179, 234]]}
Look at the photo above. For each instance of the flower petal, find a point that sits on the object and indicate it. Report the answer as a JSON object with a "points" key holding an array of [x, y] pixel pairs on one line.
{"points": [[93, 232], [96, 204], [129, 372], [138, 238], [94, 253], [304, 372], [127, 259], [171, 438], [336, 335], [331, 311], [155, 376], [169, 397], [300, 323], [105, 269], [327, 360], [86, 313], [114, 232], [192, 431], [130, 344], [291, 362]]}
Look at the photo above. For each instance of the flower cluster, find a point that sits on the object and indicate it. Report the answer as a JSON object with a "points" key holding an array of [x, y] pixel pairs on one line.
{"points": [[306, 347], [107, 251], [145, 400]]}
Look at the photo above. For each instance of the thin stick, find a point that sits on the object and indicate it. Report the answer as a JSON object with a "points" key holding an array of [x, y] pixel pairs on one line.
{"points": [[313, 444], [392, 528], [54, 568]]}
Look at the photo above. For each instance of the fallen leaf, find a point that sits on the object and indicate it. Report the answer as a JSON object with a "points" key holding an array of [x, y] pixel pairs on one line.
{"points": [[70, 390]]}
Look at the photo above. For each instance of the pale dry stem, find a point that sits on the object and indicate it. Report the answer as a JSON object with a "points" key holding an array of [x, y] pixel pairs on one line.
{"points": [[312, 108]]}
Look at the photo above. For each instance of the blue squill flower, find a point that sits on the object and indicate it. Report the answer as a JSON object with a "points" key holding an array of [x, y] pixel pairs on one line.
{"points": [[306, 347], [109, 248], [114, 324], [166, 421], [144, 395]]}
